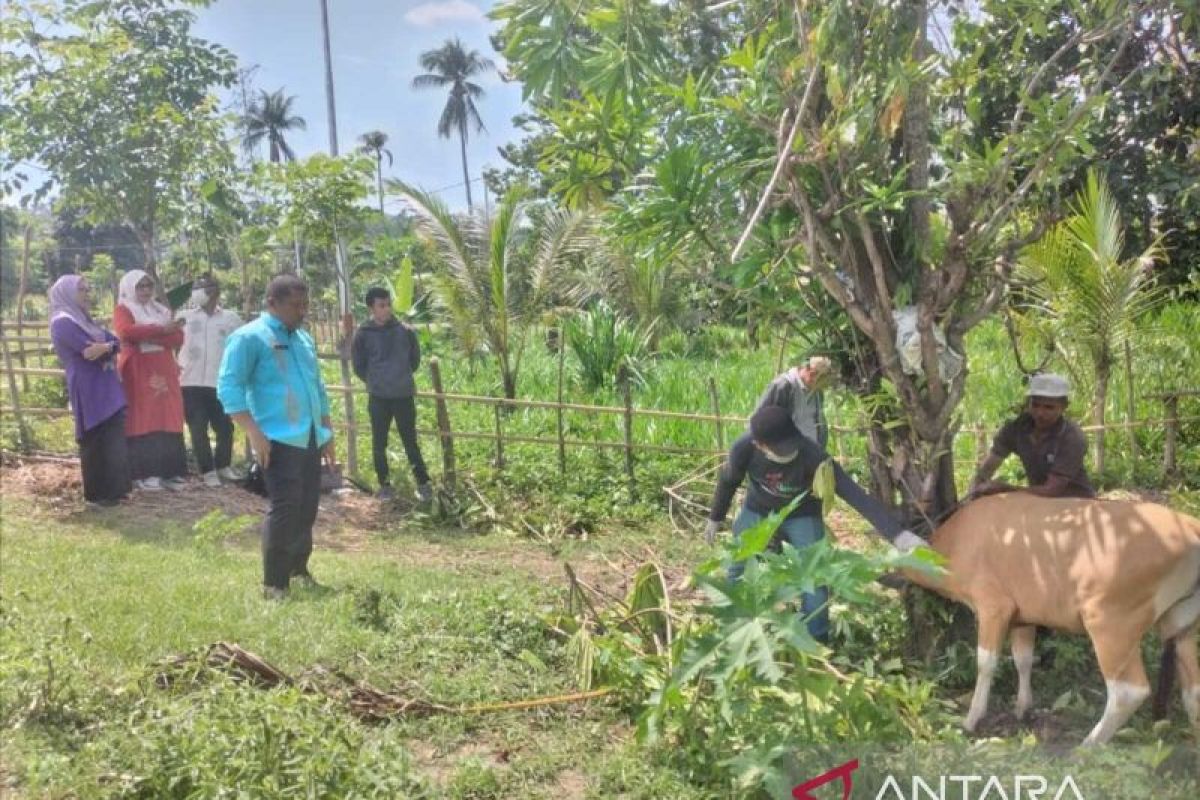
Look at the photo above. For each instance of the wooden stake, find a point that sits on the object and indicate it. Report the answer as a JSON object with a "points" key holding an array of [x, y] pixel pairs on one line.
{"points": [[23, 436], [21, 288], [1171, 434], [449, 477], [627, 393], [499, 439], [562, 447], [716, 410]]}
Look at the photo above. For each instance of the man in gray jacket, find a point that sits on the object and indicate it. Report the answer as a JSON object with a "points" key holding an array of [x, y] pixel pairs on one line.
{"points": [[801, 392], [386, 353]]}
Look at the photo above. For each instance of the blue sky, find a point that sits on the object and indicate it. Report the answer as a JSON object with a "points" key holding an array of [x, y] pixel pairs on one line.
{"points": [[376, 45]]}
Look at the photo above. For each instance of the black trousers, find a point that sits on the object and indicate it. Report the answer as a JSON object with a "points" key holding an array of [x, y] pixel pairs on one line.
{"points": [[203, 410], [403, 410], [293, 478], [157, 455], [104, 458]]}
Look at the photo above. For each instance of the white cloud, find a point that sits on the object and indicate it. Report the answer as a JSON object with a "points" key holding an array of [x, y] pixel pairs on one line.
{"points": [[427, 15]]}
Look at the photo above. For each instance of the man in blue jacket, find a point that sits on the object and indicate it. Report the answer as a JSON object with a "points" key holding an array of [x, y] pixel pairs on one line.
{"points": [[270, 385], [386, 353]]}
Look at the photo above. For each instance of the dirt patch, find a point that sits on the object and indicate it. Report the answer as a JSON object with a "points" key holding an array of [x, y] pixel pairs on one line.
{"points": [[349, 521], [440, 766], [571, 784]]}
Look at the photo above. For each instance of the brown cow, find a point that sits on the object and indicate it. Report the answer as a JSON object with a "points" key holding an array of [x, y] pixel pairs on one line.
{"points": [[1106, 568]]}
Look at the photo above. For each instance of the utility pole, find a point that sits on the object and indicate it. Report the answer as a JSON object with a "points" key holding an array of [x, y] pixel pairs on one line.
{"points": [[343, 274]]}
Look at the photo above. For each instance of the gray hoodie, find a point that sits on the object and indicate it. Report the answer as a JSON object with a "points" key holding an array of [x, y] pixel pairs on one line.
{"points": [[385, 358]]}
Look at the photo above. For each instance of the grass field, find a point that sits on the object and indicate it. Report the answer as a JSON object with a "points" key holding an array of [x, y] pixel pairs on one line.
{"points": [[92, 601]]}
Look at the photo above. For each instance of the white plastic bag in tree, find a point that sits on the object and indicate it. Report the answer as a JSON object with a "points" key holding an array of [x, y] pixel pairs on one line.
{"points": [[908, 343]]}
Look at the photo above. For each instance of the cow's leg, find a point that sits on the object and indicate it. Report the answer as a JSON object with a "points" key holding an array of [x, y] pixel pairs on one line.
{"points": [[993, 624], [1022, 640], [1188, 668], [1117, 639]]}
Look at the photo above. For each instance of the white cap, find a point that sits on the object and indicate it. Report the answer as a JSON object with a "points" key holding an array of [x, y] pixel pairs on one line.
{"points": [[1047, 384]]}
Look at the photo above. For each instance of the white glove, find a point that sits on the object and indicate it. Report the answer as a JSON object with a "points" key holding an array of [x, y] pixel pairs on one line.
{"points": [[710, 531], [907, 541]]}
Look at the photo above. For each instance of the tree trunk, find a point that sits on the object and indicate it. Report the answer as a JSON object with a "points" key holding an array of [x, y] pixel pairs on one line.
{"points": [[462, 138], [510, 382], [150, 258], [379, 182], [1103, 374]]}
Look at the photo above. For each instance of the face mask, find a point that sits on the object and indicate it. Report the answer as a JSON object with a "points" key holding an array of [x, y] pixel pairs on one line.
{"points": [[199, 296], [776, 458]]}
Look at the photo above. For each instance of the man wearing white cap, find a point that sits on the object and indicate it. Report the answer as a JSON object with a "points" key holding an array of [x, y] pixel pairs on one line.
{"points": [[1050, 446], [801, 392]]}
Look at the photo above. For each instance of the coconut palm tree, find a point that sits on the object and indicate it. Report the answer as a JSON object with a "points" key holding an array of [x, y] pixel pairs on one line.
{"points": [[451, 66], [374, 144], [498, 272], [1086, 299], [270, 117]]}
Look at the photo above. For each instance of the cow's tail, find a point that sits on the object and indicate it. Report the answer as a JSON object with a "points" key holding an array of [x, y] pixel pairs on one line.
{"points": [[1166, 680]]}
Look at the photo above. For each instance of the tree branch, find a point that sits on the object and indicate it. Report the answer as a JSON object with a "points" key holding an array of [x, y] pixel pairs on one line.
{"points": [[1006, 208], [780, 162]]}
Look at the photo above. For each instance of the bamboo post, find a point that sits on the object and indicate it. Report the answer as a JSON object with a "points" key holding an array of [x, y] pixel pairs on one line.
{"points": [[1171, 433], [21, 289], [627, 395], [562, 447], [499, 439], [443, 421], [716, 410], [981, 445], [22, 432]]}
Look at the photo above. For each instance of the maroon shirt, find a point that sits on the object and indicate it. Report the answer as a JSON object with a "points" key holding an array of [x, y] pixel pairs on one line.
{"points": [[92, 386], [1060, 451]]}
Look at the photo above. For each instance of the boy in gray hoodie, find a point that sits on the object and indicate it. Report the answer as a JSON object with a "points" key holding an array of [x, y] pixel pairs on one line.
{"points": [[386, 353]]}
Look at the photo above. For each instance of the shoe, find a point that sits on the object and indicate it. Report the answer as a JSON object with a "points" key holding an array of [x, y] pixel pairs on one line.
{"points": [[148, 485], [96, 504], [307, 579], [274, 593], [230, 474], [175, 484], [386, 492], [425, 492], [212, 480]]}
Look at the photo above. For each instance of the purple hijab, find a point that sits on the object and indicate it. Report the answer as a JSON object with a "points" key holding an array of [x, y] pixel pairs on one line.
{"points": [[64, 302]]}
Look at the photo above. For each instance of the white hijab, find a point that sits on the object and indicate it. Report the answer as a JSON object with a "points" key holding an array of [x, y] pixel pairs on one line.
{"points": [[152, 313]]}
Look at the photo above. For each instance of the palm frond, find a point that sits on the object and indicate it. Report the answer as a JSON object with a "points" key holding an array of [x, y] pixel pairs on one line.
{"points": [[431, 81]]}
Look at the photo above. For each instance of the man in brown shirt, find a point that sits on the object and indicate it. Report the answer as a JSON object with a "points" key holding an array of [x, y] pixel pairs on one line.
{"points": [[1051, 447]]}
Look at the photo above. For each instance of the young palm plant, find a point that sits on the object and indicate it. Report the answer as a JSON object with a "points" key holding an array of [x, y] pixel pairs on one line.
{"points": [[497, 272], [1085, 298]]}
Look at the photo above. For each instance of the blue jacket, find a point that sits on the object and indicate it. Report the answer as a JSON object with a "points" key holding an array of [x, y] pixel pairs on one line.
{"points": [[273, 373]]}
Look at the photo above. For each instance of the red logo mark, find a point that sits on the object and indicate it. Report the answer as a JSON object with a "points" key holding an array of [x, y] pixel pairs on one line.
{"points": [[801, 792]]}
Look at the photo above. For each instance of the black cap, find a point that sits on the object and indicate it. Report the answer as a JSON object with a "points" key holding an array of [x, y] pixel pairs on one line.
{"points": [[772, 426]]}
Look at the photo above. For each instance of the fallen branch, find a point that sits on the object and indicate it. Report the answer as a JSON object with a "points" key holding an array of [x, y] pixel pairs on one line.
{"points": [[363, 700]]}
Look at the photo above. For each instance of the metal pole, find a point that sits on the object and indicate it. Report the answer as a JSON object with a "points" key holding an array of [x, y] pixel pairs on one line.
{"points": [[343, 275]]}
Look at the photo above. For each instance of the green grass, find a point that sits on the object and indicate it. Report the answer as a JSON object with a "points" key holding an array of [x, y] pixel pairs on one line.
{"points": [[90, 602], [87, 611]]}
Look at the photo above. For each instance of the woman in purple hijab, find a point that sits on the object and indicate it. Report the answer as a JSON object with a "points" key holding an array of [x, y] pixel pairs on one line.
{"points": [[89, 355]]}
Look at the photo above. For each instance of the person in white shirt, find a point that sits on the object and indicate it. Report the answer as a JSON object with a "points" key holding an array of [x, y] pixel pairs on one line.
{"points": [[205, 329]]}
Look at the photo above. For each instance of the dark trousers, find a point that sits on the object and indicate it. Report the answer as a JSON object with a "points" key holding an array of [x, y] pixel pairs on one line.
{"points": [[203, 410], [293, 478], [104, 458], [404, 411]]}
